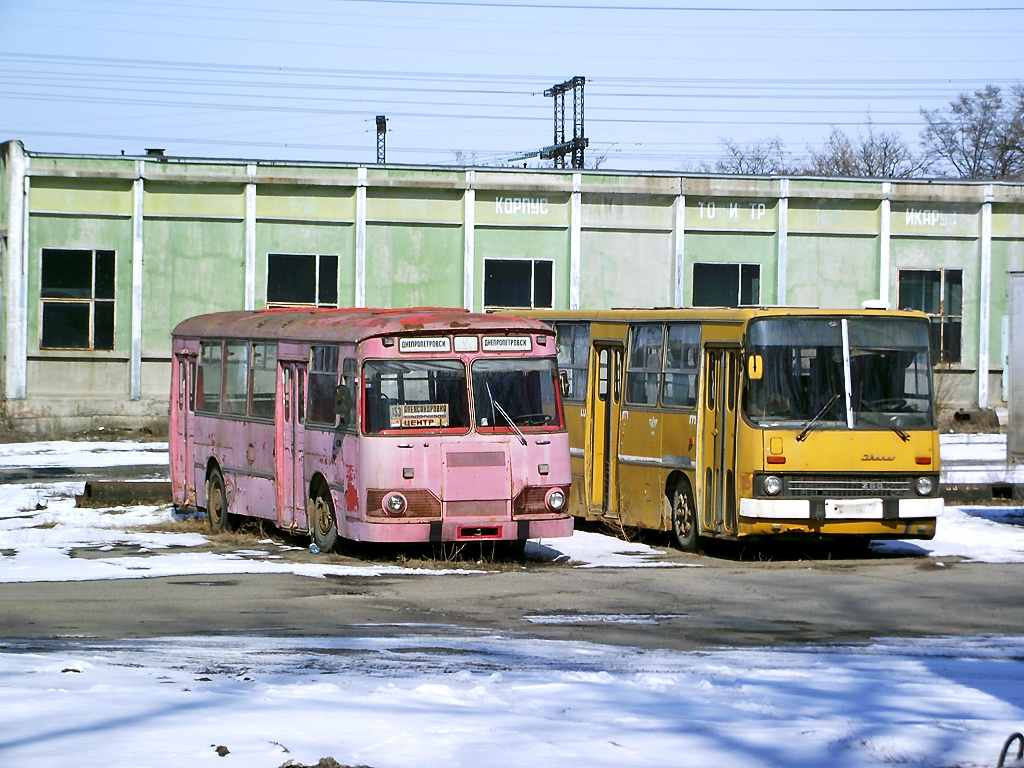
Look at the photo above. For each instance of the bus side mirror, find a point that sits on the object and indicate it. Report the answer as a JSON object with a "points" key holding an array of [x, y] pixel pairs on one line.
{"points": [[563, 383], [342, 399], [755, 367]]}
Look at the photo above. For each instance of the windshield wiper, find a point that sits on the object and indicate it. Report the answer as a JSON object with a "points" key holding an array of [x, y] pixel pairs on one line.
{"points": [[902, 435], [807, 427], [496, 406]]}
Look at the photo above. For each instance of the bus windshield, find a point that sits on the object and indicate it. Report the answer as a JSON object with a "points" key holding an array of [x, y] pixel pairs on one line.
{"points": [[415, 394], [516, 393], [810, 364]]}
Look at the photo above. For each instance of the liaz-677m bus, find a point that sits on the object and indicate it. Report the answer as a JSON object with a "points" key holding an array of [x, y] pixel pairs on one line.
{"points": [[418, 425], [752, 422]]}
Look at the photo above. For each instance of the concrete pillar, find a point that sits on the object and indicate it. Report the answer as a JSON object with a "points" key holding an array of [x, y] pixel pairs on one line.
{"points": [[783, 245], [469, 238], [250, 239], [360, 289], [137, 256], [575, 240], [15, 273], [884, 240], [985, 297], [678, 241]]}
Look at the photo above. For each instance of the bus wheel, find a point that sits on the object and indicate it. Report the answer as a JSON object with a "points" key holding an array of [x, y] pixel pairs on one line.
{"points": [[216, 502], [684, 520], [323, 526]]}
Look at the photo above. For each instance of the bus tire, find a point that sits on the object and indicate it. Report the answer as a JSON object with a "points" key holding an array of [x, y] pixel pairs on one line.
{"points": [[216, 502], [323, 527], [684, 519]]}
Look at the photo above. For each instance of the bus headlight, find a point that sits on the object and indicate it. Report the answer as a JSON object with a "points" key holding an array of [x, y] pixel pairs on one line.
{"points": [[924, 486], [555, 499], [395, 504], [771, 485]]}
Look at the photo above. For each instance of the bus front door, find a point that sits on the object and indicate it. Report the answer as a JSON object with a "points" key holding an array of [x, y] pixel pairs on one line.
{"points": [[289, 442], [603, 438], [718, 440]]}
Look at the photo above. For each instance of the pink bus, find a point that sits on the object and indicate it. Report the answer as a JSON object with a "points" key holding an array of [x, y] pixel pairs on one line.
{"points": [[410, 425]]}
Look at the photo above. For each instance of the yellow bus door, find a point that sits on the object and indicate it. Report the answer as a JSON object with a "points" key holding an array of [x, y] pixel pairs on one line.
{"points": [[603, 439], [718, 440]]}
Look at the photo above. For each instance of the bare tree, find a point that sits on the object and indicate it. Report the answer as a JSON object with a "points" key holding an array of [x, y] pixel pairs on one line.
{"points": [[757, 158], [872, 154], [980, 136]]}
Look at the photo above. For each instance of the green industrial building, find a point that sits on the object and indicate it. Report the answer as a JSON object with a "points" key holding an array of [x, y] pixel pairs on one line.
{"points": [[103, 255]]}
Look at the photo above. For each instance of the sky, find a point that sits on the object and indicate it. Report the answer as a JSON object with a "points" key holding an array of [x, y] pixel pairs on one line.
{"points": [[447, 696], [462, 82]]}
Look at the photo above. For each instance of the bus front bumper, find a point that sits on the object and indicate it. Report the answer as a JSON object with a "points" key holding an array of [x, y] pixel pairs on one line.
{"points": [[461, 530], [840, 510]]}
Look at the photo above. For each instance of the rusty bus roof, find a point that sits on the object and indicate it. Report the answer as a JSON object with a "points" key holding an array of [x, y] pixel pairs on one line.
{"points": [[352, 325]]}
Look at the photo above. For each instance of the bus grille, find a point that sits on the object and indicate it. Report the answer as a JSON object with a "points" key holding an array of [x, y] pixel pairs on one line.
{"points": [[421, 504], [847, 486], [485, 508], [465, 459]]}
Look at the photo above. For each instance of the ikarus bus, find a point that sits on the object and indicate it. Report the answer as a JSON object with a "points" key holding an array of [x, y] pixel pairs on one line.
{"points": [[752, 422]]}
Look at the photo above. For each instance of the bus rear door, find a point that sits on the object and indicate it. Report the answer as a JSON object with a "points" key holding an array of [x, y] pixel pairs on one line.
{"points": [[182, 469], [289, 442], [718, 439], [603, 438]]}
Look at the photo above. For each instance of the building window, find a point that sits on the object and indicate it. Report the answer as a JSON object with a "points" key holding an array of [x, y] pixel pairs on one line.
{"points": [[77, 292], [524, 283], [939, 293], [726, 285], [302, 279]]}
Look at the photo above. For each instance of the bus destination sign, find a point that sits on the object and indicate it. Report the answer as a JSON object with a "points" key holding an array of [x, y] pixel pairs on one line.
{"points": [[419, 416], [425, 344], [507, 344]]}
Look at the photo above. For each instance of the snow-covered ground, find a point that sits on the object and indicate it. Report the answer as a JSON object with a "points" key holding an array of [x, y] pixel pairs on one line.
{"points": [[503, 700], [457, 698]]}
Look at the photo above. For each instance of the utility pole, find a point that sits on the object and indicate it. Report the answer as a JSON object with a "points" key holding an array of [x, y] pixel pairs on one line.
{"points": [[382, 127], [578, 143]]}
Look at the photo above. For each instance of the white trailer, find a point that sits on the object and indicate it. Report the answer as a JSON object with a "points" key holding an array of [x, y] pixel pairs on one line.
{"points": [[1015, 398]]}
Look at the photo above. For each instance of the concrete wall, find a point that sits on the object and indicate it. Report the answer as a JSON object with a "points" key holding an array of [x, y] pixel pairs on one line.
{"points": [[193, 236]]}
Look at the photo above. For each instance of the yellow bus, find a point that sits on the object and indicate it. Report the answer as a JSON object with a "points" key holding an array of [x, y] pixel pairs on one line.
{"points": [[751, 422]]}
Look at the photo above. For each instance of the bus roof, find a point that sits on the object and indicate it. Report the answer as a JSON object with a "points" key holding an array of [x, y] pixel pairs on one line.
{"points": [[710, 314], [351, 325]]}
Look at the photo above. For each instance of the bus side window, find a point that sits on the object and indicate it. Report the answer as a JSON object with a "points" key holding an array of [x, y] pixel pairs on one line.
{"points": [[643, 375], [573, 351], [323, 380], [682, 361], [209, 378], [345, 397], [263, 380], [712, 380], [732, 380], [602, 373], [181, 383]]}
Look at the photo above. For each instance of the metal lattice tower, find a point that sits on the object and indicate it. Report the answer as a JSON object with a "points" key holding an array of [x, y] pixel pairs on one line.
{"points": [[578, 143], [382, 128]]}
